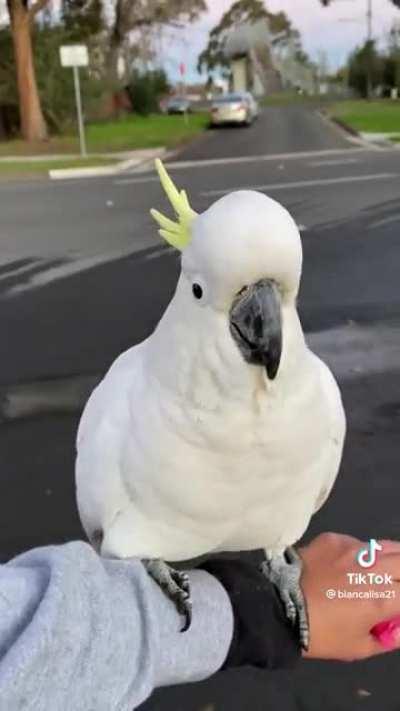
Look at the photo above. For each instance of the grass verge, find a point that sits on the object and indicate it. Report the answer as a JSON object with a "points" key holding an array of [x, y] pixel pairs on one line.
{"points": [[126, 134], [289, 98], [379, 116], [36, 169]]}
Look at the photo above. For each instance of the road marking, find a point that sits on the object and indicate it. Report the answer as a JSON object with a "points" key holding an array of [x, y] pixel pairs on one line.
{"points": [[205, 163], [132, 181], [82, 264], [384, 221], [304, 183], [161, 252], [343, 161]]}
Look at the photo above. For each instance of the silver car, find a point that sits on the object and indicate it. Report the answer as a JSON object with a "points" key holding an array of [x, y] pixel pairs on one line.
{"points": [[239, 107], [178, 105]]}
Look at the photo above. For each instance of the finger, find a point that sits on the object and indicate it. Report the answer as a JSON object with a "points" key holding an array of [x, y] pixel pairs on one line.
{"points": [[389, 546], [389, 564], [371, 648], [387, 633]]}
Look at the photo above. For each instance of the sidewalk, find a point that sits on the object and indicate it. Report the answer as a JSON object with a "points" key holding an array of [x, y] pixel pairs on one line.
{"points": [[72, 165], [132, 160], [122, 155]]}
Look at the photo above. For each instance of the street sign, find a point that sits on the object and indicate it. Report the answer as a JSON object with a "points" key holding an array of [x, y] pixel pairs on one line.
{"points": [[74, 55]]}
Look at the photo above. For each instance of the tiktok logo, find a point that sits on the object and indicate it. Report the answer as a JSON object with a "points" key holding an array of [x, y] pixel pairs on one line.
{"points": [[366, 557]]}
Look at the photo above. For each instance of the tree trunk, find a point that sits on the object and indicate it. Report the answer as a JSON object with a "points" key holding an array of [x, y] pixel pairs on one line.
{"points": [[33, 126], [113, 57]]}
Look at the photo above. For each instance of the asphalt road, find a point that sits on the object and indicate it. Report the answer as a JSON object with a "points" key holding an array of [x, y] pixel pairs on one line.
{"points": [[83, 276], [278, 130]]}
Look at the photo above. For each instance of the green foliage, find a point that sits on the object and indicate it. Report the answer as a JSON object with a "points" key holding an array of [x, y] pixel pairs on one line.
{"points": [[55, 83], [145, 90], [8, 80], [82, 19], [246, 11], [365, 66]]}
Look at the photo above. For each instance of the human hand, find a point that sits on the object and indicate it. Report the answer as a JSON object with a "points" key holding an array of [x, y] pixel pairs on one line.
{"points": [[340, 628]]}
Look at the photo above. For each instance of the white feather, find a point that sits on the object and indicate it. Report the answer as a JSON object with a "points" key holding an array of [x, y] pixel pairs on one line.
{"points": [[184, 449]]}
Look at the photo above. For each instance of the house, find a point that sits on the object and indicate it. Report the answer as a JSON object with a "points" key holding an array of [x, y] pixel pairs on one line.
{"points": [[261, 65], [248, 49]]}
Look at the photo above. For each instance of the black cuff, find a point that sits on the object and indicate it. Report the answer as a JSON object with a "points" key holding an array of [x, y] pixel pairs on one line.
{"points": [[263, 637]]}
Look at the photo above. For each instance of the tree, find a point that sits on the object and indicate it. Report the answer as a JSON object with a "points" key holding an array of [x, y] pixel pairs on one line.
{"points": [[82, 19], [365, 69], [55, 84], [246, 11], [145, 90], [391, 59], [22, 14], [130, 16]]}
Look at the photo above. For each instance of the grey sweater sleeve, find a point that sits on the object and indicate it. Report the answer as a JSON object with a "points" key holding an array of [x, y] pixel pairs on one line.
{"points": [[80, 633]]}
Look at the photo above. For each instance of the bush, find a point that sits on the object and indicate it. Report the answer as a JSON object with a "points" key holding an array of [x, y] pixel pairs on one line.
{"points": [[145, 90]]}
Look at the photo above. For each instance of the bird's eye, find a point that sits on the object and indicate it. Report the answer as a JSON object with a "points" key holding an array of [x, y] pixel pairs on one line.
{"points": [[197, 291]]}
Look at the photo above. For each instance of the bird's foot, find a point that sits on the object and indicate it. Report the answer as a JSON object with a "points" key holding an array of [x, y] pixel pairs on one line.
{"points": [[284, 571], [175, 584]]}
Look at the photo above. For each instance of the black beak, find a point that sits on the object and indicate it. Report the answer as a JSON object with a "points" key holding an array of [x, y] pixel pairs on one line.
{"points": [[256, 325]]}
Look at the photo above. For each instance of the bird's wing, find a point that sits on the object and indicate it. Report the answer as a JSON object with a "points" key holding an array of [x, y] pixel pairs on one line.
{"points": [[104, 425], [102, 400], [336, 432]]}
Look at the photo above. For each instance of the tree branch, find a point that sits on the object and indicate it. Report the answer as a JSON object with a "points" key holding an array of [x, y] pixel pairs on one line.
{"points": [[37, 7]]}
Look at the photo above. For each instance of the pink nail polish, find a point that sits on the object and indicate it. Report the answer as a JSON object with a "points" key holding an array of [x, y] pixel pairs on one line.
{"points": [[387, 633]]}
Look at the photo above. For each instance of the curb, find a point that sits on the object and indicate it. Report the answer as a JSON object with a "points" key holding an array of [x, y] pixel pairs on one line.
{"points": [[347, 131], [130, 164], [344, 126], [375, 141], [380, 139]]}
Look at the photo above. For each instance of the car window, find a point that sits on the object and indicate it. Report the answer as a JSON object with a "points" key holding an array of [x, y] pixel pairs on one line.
{"points": [[228, 98]]}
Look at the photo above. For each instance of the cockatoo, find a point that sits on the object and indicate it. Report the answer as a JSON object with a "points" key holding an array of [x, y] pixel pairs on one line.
{"points": [[222, 431]]}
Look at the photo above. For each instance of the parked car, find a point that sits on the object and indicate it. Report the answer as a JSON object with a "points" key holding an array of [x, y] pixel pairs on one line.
{"points": [[178, 105], [239, 107]]}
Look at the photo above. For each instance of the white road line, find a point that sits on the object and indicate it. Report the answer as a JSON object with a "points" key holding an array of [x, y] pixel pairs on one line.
{"points": [[132, 181], [160, 253], [184, 164], [343, 161], [384, 221], [304, 183], [82, 264]]}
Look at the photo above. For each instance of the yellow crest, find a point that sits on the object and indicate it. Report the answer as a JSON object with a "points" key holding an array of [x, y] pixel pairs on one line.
{"points": [[175, 233]]}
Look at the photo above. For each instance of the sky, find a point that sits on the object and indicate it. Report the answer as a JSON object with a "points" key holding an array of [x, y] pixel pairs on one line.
{"points": [[336, 29]]}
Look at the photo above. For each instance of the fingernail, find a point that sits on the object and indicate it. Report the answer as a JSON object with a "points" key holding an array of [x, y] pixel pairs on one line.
{"points": [[387, 633]]}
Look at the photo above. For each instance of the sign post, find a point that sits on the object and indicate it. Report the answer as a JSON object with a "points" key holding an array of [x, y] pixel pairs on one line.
{"points": [[182, 72], [75, 56]]}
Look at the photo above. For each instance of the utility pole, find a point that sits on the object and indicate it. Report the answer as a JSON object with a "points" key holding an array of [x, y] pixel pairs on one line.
{"points": [[369, 38], [369, 19], [369, 47]]}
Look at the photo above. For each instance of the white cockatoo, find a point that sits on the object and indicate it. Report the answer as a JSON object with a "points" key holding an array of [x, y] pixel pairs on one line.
{"points": [[222, 431]]}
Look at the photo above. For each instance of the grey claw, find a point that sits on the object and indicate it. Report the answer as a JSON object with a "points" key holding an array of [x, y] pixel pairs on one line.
{"points": [[188, 618], [176, 586], [284, 572]]}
